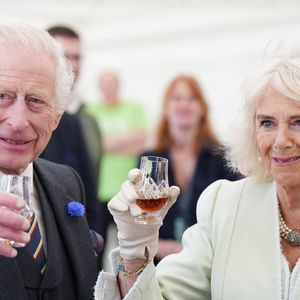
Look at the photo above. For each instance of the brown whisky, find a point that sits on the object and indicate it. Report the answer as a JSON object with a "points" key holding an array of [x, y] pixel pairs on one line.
{"points": [[151, 205]]}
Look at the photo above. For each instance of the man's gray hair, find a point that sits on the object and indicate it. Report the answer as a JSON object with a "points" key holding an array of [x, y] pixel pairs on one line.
{"points": [[24, 36], [281, 73]]}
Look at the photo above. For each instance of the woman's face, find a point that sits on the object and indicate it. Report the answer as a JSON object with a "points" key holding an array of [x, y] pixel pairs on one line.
{"points": [[183, 109], [278, 137]]}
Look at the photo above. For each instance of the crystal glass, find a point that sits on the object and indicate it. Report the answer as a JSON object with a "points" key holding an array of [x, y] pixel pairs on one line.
{"points": [[18, 185], [153, 189]]}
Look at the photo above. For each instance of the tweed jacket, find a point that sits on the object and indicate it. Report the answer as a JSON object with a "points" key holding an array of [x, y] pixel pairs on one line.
{"points": [[232, 253]]}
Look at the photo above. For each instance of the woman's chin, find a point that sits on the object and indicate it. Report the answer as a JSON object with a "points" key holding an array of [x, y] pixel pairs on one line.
{"points": [[287, 179]]}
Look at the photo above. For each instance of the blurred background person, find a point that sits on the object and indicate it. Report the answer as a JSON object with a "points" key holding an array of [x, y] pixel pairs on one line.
{"points": [[70, 41], [123, 129], [76, 141], [184, 136]]}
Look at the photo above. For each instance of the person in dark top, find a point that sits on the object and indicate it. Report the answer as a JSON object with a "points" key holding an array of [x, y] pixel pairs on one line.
{"points": [[67, 146], [71, 44], [76, 141], [185, 137]]}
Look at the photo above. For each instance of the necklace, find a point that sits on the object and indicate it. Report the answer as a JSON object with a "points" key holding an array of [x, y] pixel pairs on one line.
{"points": [[291, 236]]}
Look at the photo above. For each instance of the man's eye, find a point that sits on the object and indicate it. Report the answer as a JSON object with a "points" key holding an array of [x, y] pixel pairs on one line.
{"points": [[34, 103], [296, 123], [35, 100], [5, 96]]}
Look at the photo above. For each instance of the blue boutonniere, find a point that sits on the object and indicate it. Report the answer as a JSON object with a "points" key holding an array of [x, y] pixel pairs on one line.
{"points": [[75, 209]]}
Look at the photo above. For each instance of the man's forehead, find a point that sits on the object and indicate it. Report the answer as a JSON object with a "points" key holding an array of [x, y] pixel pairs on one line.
{"points": [[10, 78], [26, 60], [24, 72]]}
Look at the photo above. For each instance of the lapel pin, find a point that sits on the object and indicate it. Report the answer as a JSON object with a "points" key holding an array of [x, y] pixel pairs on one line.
{"points": [[75, 209]]}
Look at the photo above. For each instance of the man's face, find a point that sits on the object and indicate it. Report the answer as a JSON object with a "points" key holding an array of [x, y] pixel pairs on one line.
{"points": [[109, 87], [72, 51], [27, 107]]}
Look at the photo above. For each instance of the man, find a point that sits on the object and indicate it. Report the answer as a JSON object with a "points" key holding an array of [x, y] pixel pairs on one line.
{"points": [[123, 138], [70, 41], [35, 86], [76, 142]]}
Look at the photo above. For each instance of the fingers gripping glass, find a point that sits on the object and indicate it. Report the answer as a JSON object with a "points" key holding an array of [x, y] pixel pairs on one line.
{"points": [[18, 185], [153, 189]]}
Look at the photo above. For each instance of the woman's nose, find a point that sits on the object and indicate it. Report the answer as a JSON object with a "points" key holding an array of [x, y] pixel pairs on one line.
{"points": [[283, 138]]}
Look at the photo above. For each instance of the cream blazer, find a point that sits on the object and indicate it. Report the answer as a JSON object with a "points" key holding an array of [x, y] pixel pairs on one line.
{"points": [[232, 253]]}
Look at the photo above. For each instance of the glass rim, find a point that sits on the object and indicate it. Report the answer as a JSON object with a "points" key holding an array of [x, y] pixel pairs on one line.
{"points": [[154, 158]]}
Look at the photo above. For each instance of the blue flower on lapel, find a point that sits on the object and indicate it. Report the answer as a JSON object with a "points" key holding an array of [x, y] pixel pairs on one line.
{"points": [[75, 209]]}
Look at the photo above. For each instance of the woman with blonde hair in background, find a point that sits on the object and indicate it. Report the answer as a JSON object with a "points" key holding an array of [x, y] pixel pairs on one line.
{"points": [[185, 137]]}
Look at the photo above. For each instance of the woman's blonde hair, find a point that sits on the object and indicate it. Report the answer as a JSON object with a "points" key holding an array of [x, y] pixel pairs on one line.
{"points": [[282, 73]]}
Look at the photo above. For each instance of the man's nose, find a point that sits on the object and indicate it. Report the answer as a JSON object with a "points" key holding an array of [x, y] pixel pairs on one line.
{"points": [[18, 115]]}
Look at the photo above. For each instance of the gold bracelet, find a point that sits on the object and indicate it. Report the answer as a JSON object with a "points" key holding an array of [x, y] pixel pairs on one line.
{"points": [[128, 273]]}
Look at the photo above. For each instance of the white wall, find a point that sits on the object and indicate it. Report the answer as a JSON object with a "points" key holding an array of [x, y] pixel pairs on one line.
{"points": [[149, 42]]}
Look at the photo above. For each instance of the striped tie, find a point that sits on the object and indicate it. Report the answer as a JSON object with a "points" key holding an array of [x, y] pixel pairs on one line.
{"points": [[35, 245]]}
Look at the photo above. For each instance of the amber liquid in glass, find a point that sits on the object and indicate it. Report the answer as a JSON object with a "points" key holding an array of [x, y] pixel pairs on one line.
{"points": [[152, 205]]}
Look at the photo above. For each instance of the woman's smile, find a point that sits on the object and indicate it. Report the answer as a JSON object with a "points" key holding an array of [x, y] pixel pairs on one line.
{"points": [[284, 161]]}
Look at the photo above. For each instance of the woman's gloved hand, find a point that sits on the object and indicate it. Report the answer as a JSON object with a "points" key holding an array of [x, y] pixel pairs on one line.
{"points": [[134, 238]]}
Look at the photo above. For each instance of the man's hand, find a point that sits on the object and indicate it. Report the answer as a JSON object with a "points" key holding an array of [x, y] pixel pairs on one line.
{"points": [[12, 224]]}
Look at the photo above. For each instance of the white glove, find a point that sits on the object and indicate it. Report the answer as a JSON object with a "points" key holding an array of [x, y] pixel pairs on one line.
{"points": [[134, 238]]}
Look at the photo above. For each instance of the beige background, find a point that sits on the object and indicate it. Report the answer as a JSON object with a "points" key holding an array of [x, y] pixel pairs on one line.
{"points": [[148, 42]]}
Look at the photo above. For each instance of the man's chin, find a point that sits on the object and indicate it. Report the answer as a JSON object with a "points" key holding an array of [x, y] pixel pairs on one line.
{"points": [[13, 168]]}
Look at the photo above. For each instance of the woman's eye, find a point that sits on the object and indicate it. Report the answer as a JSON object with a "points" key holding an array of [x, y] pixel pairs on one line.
{"points": [[175, 98], [266, 123]]}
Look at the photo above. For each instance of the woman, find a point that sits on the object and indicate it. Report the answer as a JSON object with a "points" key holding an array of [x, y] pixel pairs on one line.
{"points": [[185, 137], [246, 243]]}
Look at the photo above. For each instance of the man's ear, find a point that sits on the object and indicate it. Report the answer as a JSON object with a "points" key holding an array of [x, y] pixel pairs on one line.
{"points": [[56, 120]]}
